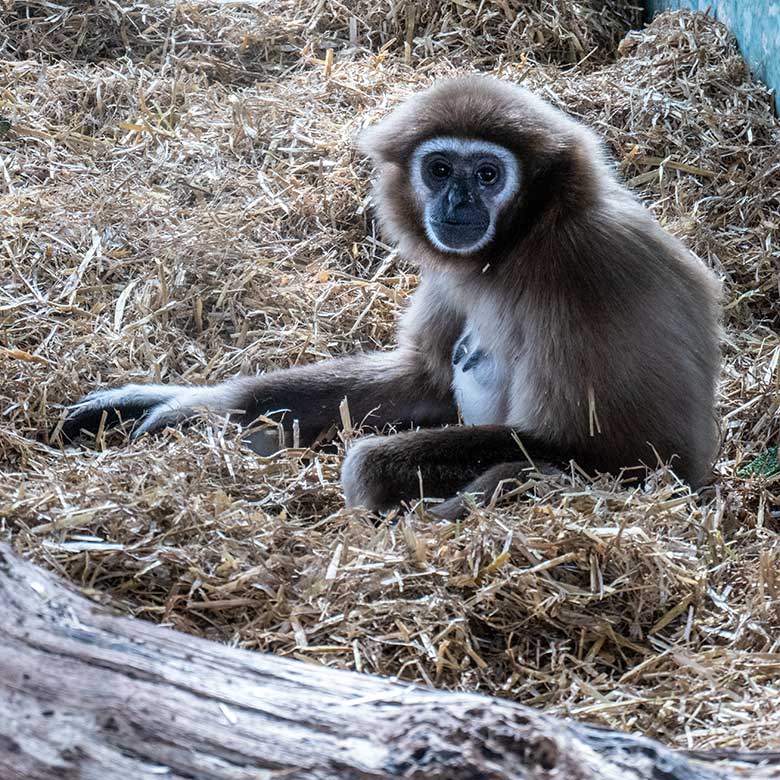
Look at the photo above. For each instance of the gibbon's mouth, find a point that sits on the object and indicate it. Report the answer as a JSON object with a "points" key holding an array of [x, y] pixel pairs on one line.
{"points": [[458, 235], [458, 224]]}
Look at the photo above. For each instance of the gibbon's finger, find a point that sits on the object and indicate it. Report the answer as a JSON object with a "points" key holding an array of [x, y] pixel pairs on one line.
{"points": [[450, 510], [186, 402], [167, 415], [120, 404], [131, 396], [86, 419]]}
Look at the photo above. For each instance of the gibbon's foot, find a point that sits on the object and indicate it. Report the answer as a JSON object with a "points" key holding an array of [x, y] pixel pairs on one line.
{"points": [[482, 489], [122, 404], [153, 408]]}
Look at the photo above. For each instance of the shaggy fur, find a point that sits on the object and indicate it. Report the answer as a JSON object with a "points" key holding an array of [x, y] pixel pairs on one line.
{"points": [[608, 324]]}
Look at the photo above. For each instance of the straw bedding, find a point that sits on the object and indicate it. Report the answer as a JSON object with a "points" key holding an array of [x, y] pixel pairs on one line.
{"points": [[180, 201]]}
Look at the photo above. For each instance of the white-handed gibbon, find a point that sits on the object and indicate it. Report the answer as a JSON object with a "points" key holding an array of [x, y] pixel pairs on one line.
{"points": [[553, 312]]}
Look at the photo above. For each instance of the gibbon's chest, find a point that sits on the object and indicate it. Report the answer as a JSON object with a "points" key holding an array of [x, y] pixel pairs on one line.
{"points": [[480, 380]]}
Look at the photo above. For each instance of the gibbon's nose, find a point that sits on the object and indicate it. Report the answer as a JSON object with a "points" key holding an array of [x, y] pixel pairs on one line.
{"points": [[459, 195]]}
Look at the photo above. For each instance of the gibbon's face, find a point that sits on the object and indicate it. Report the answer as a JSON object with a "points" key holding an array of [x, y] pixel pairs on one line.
{"points": [[462, 186]]}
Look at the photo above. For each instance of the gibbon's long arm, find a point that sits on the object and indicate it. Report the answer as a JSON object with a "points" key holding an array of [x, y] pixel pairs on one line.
{"points": [[410, 385], [383, 387], [380, 472]]}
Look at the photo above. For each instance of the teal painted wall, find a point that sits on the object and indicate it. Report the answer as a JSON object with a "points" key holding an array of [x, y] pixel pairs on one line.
{"points": [[756, 25]]}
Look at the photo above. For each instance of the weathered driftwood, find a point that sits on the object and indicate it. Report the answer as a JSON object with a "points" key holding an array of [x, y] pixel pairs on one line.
{"points": [[88, 695]]}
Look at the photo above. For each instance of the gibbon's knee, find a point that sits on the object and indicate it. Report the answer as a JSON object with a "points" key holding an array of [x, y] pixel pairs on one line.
{"points": [[363, 475]]}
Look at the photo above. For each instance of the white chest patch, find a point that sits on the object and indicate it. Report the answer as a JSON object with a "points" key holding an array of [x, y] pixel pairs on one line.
{"points": [[479, 382]]}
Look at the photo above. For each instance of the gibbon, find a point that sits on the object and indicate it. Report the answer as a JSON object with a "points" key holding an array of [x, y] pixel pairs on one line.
{"points": [[555, 317]]}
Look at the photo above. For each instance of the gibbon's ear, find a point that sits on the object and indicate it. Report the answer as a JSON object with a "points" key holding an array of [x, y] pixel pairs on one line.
{"points": [[370, 142], [381, 142]]}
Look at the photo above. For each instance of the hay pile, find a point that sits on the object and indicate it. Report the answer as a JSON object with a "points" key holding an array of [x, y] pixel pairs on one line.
{"points": [[250, 38], [180, 201]]}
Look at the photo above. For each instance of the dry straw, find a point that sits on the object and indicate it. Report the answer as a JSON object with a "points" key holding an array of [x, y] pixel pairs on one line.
{"points": [[180, 201]]}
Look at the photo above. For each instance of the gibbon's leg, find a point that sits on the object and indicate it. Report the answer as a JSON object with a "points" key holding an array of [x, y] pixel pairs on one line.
{"points": [[381, 471], [380, 388]]}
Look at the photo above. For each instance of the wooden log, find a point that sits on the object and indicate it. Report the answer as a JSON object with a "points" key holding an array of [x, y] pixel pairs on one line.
{"points": [[89, 695]]}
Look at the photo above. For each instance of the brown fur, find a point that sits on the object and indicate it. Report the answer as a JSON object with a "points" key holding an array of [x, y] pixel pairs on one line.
{"points": [[595, 305], [609, 324]]}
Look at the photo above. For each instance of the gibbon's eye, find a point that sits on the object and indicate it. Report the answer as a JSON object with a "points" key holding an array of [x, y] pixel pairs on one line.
{"points": [[487, 174], [440, 169]]}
